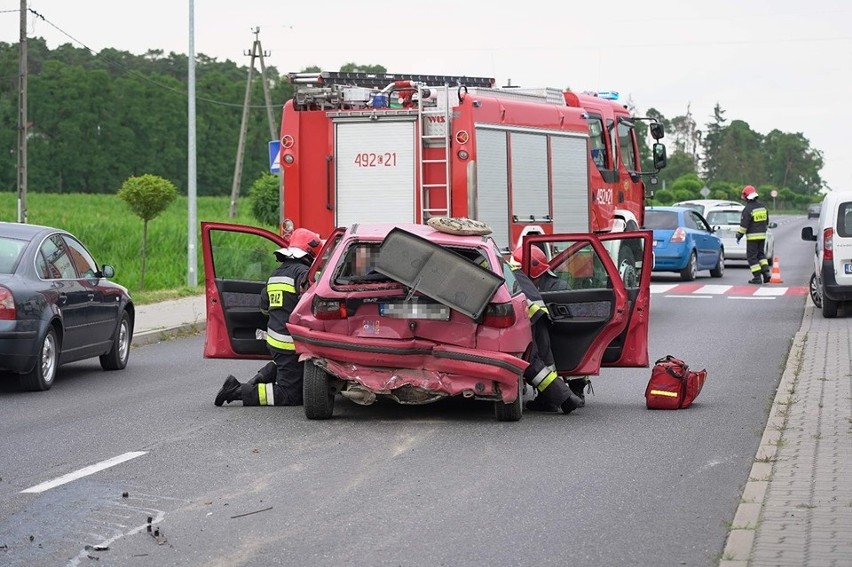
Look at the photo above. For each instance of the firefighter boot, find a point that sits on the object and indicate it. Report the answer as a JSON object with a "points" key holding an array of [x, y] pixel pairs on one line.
{"points": [[767, 276], [231, 391], [577, 386], [555, 397], [757, 279]]}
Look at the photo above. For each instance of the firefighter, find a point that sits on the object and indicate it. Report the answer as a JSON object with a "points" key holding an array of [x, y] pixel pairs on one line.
{"points": [[552, 393], [279, 383], [753, 224], [545, 280]]}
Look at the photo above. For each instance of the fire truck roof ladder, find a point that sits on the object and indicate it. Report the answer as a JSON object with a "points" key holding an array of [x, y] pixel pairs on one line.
{"points": [[440, 143], [379, 80]]}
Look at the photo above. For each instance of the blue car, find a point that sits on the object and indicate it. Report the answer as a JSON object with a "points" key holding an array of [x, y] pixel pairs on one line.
{"points": [[684, 242]]}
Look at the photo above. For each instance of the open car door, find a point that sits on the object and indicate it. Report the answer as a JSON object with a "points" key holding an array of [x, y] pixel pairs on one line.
{"points": [[237, 262], [595, 321]]}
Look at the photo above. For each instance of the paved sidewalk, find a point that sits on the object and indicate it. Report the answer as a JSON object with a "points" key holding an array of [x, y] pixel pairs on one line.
{"points": [[796, 508], [158, 321]]}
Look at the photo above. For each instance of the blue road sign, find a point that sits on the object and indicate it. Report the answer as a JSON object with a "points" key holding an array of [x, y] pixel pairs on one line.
{"points": [[274, 156]]}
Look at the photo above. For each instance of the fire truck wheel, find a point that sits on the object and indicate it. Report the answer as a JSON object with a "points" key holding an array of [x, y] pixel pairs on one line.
{"points": [[318, 393], [513, 411], [627, 266]]}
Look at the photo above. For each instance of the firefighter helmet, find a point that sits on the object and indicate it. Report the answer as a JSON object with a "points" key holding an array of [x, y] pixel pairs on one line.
{"points": [[303, 242], [749, 192], [538, 262]]}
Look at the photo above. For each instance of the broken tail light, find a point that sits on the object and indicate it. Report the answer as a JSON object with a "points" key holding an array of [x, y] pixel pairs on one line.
{"points": [[679, 235], [7, 305], [499, 315], [325, 309]]}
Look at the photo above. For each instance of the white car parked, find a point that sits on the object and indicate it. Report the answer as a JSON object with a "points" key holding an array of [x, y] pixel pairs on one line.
{"points": [[831, 284], [725, 220]]}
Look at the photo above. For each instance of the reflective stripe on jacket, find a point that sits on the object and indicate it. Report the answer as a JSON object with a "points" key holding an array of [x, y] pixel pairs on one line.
{"points": [[279, 299], [754, 221]]}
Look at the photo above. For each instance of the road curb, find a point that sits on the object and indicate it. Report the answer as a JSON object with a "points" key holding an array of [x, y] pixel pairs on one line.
{"points": [[741, 538], [166, 333]]}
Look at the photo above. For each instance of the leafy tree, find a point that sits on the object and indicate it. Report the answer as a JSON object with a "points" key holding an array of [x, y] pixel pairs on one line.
{"points": [[147, 196], [265, 198], [791, 162]]}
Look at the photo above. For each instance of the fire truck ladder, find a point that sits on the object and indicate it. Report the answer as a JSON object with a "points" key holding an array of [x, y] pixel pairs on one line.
{"points": [[440, 144]]}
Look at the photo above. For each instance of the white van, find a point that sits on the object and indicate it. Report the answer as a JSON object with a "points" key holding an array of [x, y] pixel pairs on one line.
{"points": [[832, 280]]}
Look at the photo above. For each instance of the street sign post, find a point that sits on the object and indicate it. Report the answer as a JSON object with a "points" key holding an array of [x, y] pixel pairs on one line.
{"points": [[275, 156]]}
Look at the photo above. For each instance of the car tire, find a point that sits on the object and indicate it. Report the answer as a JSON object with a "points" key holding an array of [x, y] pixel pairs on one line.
{"points": [[117, 357], [41, 377], [318, 393], [690, 272], [513, 411], [719, 270], [829, 308], [816, 297]]}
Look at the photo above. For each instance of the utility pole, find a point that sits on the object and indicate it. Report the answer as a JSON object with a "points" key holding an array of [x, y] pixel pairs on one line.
{"points": [[256, 53], [191, 167], [22, 118]]}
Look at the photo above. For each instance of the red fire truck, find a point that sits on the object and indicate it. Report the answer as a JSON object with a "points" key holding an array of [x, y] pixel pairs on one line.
{"points": [[361, 148]]}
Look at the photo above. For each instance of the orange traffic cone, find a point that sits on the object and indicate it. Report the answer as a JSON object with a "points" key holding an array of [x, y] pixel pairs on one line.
{"points": [[776, 271]]}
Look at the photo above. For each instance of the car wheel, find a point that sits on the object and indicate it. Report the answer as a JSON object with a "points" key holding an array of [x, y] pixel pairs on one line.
{"points": [[691, 270], [513, 411], [815, 294], [829, 308], [116, 358], [41, 377], [318, 394], [719, 270]]}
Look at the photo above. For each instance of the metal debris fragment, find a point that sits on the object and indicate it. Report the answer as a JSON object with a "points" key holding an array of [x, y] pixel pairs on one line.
{"points": [[250, 513]]}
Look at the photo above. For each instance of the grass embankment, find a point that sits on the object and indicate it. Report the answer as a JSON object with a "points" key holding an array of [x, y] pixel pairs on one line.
{"points": [[113, 234]]}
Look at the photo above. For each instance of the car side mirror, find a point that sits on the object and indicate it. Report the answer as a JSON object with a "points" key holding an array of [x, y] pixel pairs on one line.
{"points": [[773, 224], [107, 271], [808, 233], [656, 130]]}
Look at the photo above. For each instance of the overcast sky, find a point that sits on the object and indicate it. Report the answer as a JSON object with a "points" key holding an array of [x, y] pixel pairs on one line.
{"points": [[781, 64]]}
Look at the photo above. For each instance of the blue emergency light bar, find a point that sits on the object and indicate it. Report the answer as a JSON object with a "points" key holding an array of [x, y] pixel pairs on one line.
{"points": [[608, 95]]}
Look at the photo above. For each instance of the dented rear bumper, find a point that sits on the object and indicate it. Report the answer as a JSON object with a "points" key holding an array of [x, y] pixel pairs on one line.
{"points": [[390, 367]]}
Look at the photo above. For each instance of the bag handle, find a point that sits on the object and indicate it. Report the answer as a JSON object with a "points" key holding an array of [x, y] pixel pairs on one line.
{"points": [[670, 362]]}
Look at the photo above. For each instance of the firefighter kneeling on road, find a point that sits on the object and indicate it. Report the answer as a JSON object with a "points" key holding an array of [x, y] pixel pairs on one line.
{"points": [[753, 225], [552, 393], [279, 383]]}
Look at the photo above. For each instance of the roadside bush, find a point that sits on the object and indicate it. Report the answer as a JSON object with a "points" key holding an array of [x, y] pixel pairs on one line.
{"points": [[265, 198]]}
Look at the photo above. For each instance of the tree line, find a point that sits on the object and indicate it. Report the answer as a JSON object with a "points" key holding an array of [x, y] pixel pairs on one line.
{"points": [[96, 119]]}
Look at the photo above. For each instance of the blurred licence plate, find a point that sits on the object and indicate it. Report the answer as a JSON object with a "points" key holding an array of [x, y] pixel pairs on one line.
{"points": [[412, 310], [847, 268]]}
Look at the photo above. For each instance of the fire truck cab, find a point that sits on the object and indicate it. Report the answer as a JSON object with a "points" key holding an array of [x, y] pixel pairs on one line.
{"points": [[364, 148]]}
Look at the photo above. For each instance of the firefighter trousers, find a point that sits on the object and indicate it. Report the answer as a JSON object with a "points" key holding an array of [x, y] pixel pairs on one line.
{"points": [[756, 256], [541, 374], [285, 386]]}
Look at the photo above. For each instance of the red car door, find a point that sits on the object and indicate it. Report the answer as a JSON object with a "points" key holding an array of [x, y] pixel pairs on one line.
{"points": [[590, 307], [237, 262]]}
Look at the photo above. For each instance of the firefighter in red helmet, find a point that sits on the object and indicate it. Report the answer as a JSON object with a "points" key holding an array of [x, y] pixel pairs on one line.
{"points": [[552, 393], [753, 225], [279, 383]]}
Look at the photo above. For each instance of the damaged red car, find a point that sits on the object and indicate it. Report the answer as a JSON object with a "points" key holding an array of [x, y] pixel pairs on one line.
{"points": [[416, 315]]}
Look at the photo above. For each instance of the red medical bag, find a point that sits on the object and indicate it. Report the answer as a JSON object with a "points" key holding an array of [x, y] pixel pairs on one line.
{"points": [[673, 385]]}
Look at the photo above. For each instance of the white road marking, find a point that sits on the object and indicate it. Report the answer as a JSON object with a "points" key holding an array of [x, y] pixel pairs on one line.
{"points": [[714, 289], [690, 296], [662, 288], [749, 297], [85, 471], [772, 291]]}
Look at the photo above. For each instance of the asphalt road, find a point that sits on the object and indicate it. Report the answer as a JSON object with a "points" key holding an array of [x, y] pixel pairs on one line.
{"points": [[444, 484]]}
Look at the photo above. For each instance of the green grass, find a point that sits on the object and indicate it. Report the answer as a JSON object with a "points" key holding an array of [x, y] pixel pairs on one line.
{"points": [[113, 234]]}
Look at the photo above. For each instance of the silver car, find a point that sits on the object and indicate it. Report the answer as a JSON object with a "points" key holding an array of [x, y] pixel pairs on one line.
{"points": [[725, 220]]}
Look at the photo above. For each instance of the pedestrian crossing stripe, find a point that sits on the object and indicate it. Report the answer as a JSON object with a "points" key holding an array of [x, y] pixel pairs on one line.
{"points": [[716, 289]]}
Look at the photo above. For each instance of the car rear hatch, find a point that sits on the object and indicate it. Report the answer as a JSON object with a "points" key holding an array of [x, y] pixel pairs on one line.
{"points": [[842, 244]]}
